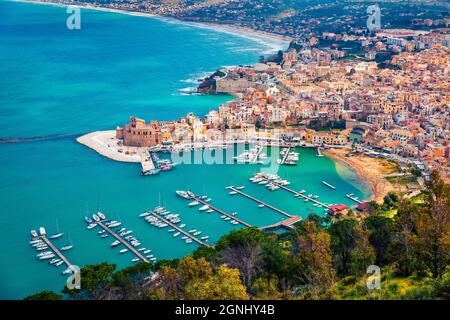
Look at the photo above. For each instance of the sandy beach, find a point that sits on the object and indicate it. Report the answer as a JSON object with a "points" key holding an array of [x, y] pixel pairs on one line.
{"points": [[272, 40], [369, 169]]}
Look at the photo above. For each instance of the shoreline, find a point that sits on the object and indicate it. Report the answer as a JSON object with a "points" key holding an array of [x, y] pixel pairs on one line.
{"points": [[260, 37], [367, 169]]}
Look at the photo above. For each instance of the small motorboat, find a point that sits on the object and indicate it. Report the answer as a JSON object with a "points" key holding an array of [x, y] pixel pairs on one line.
{"points": [[123, 250], [59, 263], [96, 217], [145, 214], [193, 203], [182, 225], [34, 233], [67, 271], [205, 207], [91, 226], [87, 219], [115, 243], [232, 193], [147, 251], [101, 215], [240, 188], [261, 206], [176, 234], [210, 211], [135, 260], [56, 235], [66, 247]]}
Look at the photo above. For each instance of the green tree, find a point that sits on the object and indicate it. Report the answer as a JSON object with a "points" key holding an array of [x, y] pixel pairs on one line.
{"points": [[433, 226], [363, 254], [314, 254], [93, 279], [225, 284], [342, 243], [44, 295], [381, 231]]}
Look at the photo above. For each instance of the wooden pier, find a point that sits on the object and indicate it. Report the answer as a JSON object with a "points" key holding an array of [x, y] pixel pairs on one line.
{"points": [[260, 202], [220, 211], [179, 229], [56, 251], [297, 193], [287, 224], [125, 243]]}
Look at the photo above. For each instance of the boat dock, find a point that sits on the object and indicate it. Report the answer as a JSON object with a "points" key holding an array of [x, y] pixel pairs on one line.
{"points": [[56, 251], [125, 243], [319, 154], [287, 224], [260, 202], [298, 193], [329, 185], [353, 198], [179, 229], [146, 162], [286, 154], [257, 154], [220, 211]]}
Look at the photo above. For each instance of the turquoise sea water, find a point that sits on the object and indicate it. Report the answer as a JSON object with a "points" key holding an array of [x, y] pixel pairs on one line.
{"points": [[59, 82]]}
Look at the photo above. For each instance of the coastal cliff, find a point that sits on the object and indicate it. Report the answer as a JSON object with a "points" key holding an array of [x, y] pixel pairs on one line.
{"points": [[208, 84]]}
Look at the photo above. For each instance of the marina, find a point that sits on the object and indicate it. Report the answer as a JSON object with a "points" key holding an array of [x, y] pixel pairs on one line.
{"points": [[178, 229], [297, 194], [56, 251], [121, 240], [259, 201], [227, 215]]}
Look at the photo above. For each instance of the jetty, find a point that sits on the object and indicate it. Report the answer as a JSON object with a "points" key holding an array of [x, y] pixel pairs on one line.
{"points": [[56, 251], [179, 229], [286, 154], [257, 154], [329, 185], [260, 202], [297, 194], [192, 196], [353, 198], [125, 243], [286, 224], [146, 162], [319, 154]]}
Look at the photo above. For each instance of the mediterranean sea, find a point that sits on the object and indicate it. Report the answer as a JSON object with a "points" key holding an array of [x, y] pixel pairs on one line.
{"points": [[56, 84]]}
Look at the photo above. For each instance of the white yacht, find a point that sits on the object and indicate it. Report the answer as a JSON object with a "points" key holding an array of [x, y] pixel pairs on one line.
{"points": [[115, 243], [182, 194], [101, 215], [205, 207]]}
